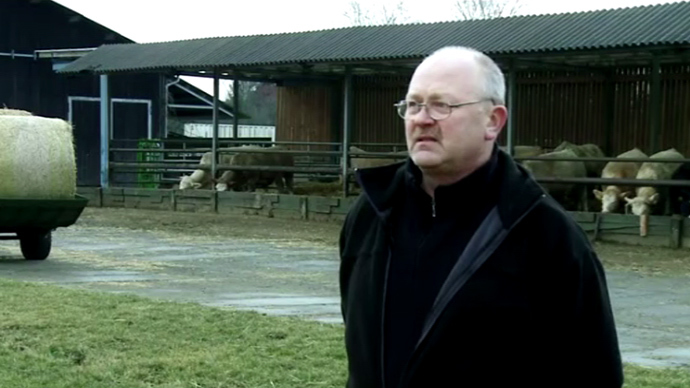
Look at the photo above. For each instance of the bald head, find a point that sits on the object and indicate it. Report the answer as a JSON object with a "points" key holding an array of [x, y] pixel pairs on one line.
{"points": [[457, 130], [465, 64]]}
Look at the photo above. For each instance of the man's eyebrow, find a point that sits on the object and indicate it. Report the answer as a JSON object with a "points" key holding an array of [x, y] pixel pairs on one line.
{"points": [[432, 97]]}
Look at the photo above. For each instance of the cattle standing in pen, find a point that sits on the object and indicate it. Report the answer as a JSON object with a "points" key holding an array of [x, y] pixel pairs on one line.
{"points": [[612, 195], [250, 180], [650, 199], [569, 195]]}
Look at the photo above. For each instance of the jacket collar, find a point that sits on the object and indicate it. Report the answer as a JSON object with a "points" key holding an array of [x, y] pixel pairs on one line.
{"points": [[479, 187], [385, 186]]}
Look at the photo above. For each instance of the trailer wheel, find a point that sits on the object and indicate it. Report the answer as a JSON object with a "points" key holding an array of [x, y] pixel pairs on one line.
{"points": [[35, 245]]}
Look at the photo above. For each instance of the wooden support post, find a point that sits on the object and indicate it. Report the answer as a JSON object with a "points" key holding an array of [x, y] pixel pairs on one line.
{"points": [[214, 141], [676, 234], [510, 135], [235, 106], [162, 107], [597, 226], [106, 130], [347, 127], [655, 107], [609, 112]]}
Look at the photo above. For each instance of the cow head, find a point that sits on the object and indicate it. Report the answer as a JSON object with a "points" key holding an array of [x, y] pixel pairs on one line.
{"points": [[187, 183], [610, 198], [642, 205]]}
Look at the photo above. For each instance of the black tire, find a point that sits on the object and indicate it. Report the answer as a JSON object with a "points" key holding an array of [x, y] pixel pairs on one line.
{"points": [[35, 245]]}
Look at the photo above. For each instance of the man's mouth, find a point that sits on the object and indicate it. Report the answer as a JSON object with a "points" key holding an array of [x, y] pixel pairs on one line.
{"points": [[426, 139]]}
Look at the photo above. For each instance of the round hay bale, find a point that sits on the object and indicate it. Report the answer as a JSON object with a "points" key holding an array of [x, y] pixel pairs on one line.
{"points": [[37, 158], [14, 112]]}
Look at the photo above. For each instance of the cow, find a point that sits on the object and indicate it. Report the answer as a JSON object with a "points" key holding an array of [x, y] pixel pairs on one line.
{"points": [[647, 197], [588, 150], [200, 178], [611, 196], [680, 195], [241, 180], [568, 194], [358, 162], [525, 151]]}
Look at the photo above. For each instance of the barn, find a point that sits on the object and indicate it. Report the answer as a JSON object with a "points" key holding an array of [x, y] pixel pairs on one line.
{"points": [[39, 37]]}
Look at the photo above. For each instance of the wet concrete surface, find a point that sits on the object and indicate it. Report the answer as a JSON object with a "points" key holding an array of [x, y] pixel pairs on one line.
{"points": [[284, 277]]}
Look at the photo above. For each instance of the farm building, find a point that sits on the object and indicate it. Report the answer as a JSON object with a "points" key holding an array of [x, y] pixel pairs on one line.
{"points": [[582, 77], [39, 37]]}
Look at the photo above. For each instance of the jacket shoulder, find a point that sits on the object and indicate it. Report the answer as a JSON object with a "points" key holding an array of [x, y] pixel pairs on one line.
{"points": [[556, 232]]}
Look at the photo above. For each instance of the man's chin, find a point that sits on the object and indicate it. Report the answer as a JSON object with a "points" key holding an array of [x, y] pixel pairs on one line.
{"points": [[425, 159]]}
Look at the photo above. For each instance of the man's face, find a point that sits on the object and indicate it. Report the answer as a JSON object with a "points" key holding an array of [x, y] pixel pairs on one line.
{"points": [[453, 143]]}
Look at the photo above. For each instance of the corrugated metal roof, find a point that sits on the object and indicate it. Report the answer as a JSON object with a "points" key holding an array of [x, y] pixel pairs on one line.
{"points": [[628, 27]]}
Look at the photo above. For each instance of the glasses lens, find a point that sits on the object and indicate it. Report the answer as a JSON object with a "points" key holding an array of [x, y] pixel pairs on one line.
{"points": [[439, 110], [402, 109]]}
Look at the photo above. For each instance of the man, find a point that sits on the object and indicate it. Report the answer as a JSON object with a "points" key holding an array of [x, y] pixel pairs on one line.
{"points": [[457, 270]]}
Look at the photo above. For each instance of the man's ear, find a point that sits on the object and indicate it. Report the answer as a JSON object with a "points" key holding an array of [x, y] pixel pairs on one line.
{"points": [[496, 120]]}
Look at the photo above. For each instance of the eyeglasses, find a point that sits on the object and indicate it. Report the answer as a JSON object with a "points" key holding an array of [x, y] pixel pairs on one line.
{"points": [[437, 110]]}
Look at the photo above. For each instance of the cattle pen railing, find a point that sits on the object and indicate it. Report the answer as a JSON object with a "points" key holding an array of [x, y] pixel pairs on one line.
{"points": [[314, 161], [326, 163]]}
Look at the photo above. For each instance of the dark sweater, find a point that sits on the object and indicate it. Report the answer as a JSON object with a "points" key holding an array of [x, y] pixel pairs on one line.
{"points": [[423, 255]]}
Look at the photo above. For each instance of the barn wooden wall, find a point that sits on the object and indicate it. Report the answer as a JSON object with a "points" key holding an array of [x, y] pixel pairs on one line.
{"points": [[609, 109]]}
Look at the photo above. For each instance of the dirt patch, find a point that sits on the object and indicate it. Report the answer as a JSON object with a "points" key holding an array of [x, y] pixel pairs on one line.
{"points": [[618, 256], [644, 260], [204, 224]]}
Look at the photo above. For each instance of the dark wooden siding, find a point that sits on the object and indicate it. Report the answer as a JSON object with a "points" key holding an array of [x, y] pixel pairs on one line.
{"points": [[610, 109], [375, 119], [307, 113]]}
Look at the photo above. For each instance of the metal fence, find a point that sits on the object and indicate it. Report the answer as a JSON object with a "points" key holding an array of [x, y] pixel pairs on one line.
{"points": [[163, 163]]}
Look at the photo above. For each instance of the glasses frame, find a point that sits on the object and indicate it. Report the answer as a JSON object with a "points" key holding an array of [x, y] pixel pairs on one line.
{"points": [[400, 104]]}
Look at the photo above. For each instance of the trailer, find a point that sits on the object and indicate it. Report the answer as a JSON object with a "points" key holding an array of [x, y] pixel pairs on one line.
{"points": [[32, 221]]}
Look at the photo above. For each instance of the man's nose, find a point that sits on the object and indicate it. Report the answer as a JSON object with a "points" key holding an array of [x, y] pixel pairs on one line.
{"points": [[422, 117]]}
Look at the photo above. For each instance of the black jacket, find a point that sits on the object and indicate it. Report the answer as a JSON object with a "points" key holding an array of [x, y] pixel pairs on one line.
{"points": [[535, 310]]}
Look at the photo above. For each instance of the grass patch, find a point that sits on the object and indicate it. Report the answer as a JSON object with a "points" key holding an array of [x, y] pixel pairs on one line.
{"points": [[641, 377], [56, 337]]}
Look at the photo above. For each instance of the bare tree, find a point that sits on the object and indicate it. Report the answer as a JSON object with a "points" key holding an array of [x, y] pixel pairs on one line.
{"points": [[387, 14], [486, 9], [256, 100]]}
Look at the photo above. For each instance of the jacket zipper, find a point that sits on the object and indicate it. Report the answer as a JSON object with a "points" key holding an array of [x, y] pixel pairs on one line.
{"points": [[433, 207], [383, 310]]}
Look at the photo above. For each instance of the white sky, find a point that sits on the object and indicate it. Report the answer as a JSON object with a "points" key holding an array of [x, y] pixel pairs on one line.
{"points": [[161, 20]]}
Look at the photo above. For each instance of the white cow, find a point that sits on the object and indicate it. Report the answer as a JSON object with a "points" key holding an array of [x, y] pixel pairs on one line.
{"points": [[612, 194], [199, 179], [648, 196], [202, 179]]}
